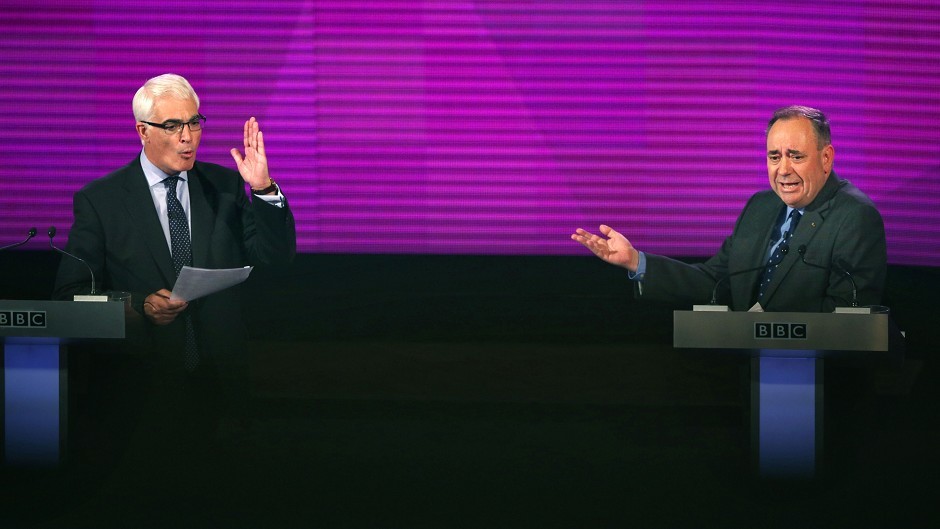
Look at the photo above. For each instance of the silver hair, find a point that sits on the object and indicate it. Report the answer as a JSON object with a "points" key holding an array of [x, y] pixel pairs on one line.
{"points": [[166, 85]]}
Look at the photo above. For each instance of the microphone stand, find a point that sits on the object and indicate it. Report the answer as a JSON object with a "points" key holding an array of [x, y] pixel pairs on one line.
{"points": [[94, 297], [30, 235], [802, 251]]}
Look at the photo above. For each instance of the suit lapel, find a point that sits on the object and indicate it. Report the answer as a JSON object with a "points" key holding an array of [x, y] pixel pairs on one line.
{"points": [[770, 221], [200, 193], [756, 244], [803, 234], [814, 216], [139, 206]]}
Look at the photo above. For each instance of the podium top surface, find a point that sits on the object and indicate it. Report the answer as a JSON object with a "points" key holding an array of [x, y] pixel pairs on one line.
{"points": [[61, 319], [781, 330]]}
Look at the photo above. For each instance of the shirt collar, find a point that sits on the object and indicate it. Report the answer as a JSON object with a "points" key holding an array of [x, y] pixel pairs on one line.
{"points": [[790, 210], [153, 174]]}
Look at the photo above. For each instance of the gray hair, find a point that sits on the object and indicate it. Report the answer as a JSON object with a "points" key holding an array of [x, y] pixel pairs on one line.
{"points": [[819, 121], [166, 85]]}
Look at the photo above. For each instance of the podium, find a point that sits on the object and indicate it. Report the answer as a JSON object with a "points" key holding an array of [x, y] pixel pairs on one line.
{"points": [[35, 371], [787, 351]]}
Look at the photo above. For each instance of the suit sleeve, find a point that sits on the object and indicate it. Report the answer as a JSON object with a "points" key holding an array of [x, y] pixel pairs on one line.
{"points": [[86, 240], [678, 283], [860, 250], [270, 235]]}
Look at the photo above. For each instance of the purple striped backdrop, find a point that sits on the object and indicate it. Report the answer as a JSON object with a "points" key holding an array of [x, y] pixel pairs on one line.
{"points": [[487, 127]]}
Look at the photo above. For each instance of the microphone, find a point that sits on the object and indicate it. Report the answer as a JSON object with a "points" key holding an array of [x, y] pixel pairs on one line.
{"points": [[784, 250], [802, 251], [30, 235], [51, 232]]}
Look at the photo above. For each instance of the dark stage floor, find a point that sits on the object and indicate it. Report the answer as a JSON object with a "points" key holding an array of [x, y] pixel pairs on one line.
{"points": [[441, 435]]}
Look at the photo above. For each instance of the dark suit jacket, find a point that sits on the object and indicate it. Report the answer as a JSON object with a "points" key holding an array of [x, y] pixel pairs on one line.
{"points": [[117, 231], [841, 228]]}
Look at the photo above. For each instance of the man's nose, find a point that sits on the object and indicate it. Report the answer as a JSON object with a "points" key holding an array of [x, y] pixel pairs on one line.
{"points": [[784, 166], [186, 135]]}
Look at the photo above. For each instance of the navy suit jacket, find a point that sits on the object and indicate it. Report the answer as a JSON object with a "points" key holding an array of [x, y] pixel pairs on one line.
{"points": [[841, 230], [117, 231]]}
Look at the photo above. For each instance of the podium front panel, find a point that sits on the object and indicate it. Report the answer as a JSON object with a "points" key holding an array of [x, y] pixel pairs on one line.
{"points": [[35, 373], [61, 319], [780, 330]]}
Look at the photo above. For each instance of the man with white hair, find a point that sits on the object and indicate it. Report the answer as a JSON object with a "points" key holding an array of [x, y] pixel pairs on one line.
{"points": [[138, 226]]}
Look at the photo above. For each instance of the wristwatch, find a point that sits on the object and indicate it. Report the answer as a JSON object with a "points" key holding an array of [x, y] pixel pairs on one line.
{"points": [[270, 189]]}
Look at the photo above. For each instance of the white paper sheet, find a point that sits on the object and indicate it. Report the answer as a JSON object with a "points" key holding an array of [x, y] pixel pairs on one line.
{"points": [[194, 283]]}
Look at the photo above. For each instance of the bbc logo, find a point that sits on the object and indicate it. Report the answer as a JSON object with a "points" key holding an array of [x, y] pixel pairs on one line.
{"points": [[779, 331], [22, 318]]}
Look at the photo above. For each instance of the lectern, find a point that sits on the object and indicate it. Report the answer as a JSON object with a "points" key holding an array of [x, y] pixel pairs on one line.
{"points": [[35, 371], [787, 351]]}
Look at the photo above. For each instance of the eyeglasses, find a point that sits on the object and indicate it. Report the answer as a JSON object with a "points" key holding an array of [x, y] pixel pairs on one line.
{"points": [[172, 126]]}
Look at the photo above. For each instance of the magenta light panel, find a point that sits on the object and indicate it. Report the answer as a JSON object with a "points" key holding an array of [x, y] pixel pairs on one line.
{"points": [[484, 127]]}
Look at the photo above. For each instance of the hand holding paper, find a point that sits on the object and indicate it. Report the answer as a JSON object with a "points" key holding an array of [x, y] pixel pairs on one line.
{"points": [[194, 283]]}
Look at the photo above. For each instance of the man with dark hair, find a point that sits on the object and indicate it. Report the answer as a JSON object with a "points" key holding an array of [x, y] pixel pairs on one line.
{"points": [[808, 217]]}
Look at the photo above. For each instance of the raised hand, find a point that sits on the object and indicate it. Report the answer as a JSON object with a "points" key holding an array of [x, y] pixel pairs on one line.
{"points": [[615, 249], [253, 166]]}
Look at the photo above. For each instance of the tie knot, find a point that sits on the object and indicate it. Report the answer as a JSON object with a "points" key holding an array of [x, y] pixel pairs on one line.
{"points": [[794, 220], [170, 182]]}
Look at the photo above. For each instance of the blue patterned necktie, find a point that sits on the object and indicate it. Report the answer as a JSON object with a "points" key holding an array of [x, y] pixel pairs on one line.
{"points": [[782, 248], [182, 250]]}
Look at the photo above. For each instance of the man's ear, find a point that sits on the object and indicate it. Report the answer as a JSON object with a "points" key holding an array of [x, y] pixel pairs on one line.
{"points": [[142, 132], [828, 155]]}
